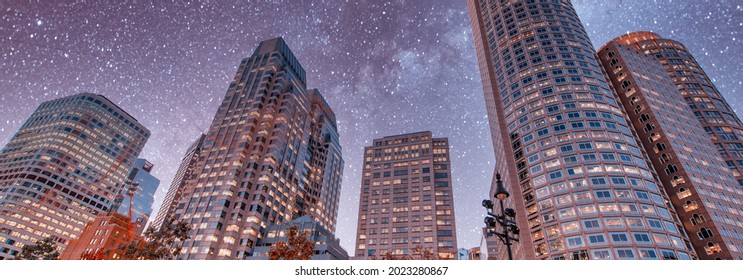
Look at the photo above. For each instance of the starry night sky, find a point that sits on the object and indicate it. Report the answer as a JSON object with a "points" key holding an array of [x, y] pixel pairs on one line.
{"points": [[385, 67]]}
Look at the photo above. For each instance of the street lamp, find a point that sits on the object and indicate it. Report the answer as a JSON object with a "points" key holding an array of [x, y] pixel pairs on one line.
{"points": [[505, 219]]}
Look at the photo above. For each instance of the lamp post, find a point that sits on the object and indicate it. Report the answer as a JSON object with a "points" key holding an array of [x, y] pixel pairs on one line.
{"points": [[505, 219]]}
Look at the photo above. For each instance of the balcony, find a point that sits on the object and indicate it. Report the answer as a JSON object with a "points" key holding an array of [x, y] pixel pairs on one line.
{"points": [[683, 193], [690, 206], [712, 248], [677, 180]]}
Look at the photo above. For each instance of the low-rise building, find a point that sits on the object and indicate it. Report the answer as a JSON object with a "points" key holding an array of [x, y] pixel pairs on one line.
{"points": [[105, 238], [327, 247]]}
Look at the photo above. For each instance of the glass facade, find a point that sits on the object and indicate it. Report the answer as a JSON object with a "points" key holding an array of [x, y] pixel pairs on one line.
{"points": [[139, 193], [327, 246], [581, 183], [66, 165], [175, 191]]}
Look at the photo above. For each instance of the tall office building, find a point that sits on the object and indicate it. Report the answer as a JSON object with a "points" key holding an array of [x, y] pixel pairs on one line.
{"points": [[406, 198], [701, 187], [714, 113], [139, 194], [271, 155], [563, 143], [489, 245], [67, 164], [175, 192]]}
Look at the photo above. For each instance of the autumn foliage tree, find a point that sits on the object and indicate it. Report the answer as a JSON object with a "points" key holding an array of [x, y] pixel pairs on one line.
{"points": [[389, 256], [424, 253], [44, 249], [164, 243], [95, 255], [297, 247]]}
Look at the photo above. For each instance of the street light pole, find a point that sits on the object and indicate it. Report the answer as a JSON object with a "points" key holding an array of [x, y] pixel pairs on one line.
{"points": [[505, 234], [509, 225]]}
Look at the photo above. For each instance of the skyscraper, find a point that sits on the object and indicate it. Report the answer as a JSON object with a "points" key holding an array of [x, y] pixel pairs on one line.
{"points": [[490, 245], [271, 155], [175, 192], [709, 107], [139, 193], [563, 143], [701, 187], [66, 165], [406, 198]]}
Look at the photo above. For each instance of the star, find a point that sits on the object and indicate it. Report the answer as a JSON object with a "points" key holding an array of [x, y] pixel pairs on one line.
{"points": [[385, 67]]}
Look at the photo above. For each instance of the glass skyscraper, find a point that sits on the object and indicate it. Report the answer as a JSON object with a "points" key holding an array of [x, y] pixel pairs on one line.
{"points": [[271, 155], [580, 182], [64, 166], [141, 187], [175, 191]]}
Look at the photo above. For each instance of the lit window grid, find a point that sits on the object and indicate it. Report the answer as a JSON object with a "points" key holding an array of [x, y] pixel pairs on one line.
{"points": [[270, 131], [423, 210], [560, 83], [43, 133]]}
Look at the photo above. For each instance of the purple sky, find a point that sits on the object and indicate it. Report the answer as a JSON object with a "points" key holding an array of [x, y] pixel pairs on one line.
{"points": [[385, 67]]}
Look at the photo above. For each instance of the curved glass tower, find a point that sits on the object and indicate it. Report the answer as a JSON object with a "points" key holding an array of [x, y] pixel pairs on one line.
{"points": [[64, 166], [580, 182]]}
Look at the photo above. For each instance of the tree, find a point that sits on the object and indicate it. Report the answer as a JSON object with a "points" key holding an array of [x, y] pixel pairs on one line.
{"points": [[297, 247], [44, 249], [392, 257], [95, 255], [424, 253], [164, 243]]}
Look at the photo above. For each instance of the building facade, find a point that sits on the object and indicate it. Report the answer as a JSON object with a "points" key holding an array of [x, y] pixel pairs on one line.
{"points": [[716, 116], [568, 154], [271, 155], [474, 254], [66, 165], [489, 245], [327, 247], [406, 198], [175, 191], [700, 185], [106, 238], [138, 194]]}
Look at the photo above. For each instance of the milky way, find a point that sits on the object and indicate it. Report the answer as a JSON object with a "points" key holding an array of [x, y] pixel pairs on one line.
{"points": [[385, 67]]}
